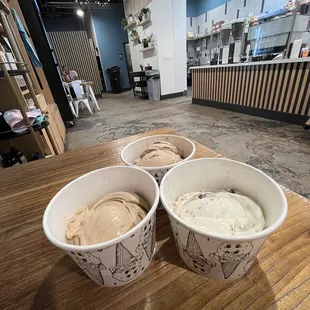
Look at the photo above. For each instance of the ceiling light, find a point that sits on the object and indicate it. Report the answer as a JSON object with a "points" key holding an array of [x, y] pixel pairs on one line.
{"points": [[80, 13]]}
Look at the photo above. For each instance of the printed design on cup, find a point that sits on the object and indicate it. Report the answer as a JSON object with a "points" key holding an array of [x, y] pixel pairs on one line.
{"points": [[176, 234], [194, 257], [230, 255], [249, 263], [127, 266], [147, 238], [158, 175], [251, 259], [90, 264]]}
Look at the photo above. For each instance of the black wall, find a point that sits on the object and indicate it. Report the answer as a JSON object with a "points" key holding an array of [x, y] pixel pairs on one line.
{"points": [[35, 25]]}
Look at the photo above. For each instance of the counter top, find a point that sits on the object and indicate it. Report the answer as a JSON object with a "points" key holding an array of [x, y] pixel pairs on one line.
{"points": [[254, 63], [34, 274]]}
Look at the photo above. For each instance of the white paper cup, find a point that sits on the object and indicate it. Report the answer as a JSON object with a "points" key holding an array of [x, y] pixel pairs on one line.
{"points": [[133, 151], [215, 256], [118, 261]]}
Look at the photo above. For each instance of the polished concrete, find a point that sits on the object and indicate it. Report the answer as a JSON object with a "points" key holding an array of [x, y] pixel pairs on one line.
{"points": [[279, 149]]}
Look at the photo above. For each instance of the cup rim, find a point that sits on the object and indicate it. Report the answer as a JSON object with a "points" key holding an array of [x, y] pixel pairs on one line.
{"points": [[127, 163], [106, 244], [261, 234]]}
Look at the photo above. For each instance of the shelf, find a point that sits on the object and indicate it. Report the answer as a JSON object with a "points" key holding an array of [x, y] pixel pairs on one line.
{"points": [[144, 22], [142, 50], [140, 84], [25, 92], [130, 26], [199, 38], [12, 135], [135, 39], [14, 72]]}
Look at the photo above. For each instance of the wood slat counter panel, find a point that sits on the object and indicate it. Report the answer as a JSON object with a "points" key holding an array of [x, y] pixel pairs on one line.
{"points": [[36, 275], [260, 89]]}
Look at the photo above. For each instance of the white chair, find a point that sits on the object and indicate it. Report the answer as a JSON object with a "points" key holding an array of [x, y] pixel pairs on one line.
{"points": [[81, 96], [69, 97], [91, 94]]}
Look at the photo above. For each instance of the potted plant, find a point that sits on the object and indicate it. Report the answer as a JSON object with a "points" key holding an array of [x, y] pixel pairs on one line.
{"points": [[131, 19], [145, 14], [145, 42], [139, 16], [124, 22], [134, 35], [148, 41]]}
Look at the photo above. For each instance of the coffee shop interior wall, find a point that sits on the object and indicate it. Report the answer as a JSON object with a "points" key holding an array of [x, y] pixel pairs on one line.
{"points": [[168, 27], [111, 38], [202, 12]]}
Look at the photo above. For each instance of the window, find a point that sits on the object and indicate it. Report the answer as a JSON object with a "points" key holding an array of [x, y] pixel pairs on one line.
{"points": [[198, 29], [238, 13], [206, 17], [226, 8], [244, 3], [191, 22], [212, 21]]}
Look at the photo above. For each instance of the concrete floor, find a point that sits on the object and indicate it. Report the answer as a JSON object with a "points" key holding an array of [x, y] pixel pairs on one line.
{"points": [[279, 149]]}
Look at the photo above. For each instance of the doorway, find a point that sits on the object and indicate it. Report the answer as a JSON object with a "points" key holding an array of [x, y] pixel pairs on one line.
{"points": [[128, 62]]}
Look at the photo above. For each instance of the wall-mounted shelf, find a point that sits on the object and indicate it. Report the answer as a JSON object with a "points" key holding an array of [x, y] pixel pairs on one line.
{"points": [[144, 22], [135, 39], [131, 25], [142, 50], [198, 38]]}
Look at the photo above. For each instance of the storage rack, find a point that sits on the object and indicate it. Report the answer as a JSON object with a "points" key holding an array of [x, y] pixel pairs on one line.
{"points": [[141, 84], [8, 75]]}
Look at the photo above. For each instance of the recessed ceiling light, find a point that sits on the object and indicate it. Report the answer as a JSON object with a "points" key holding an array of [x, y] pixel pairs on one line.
{"points": [[80, 13]]}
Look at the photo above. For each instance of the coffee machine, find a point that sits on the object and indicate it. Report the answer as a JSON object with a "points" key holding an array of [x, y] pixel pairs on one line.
{"points": [[232, 36], [225, 37]]}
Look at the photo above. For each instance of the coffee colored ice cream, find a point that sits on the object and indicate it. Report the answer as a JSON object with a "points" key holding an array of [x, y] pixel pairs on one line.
{"points": [[221, 213], [109, 218], [161, 153]]}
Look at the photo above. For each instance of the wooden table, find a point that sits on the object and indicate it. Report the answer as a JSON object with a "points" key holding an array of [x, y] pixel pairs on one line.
{"points": [[36, 275]]}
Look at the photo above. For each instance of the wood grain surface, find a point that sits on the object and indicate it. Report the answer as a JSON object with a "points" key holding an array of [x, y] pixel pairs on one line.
{"points": [[36, 275], [273, 87]]}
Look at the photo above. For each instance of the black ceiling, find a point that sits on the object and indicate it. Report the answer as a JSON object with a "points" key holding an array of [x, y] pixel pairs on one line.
{"points": [[54, 8]]}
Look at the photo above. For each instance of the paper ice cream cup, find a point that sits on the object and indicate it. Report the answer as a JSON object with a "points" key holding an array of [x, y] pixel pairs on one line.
{"points": [[133, 151], [216, 256], [118, 261]]}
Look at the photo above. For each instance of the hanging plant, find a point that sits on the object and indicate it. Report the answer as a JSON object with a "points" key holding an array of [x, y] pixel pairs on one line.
{"points": [[139, 16], [124, 22]]}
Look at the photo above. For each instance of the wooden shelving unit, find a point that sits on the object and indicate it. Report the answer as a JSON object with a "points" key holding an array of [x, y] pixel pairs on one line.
{"points": [[9, 77]]}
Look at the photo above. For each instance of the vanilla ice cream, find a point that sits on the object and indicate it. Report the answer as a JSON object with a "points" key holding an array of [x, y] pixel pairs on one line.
{"points": [[109, 218], [161, 153], [222, 213]]}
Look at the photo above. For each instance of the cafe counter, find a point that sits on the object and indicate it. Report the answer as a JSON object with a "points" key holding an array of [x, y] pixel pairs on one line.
{"points": [[277, 90]]}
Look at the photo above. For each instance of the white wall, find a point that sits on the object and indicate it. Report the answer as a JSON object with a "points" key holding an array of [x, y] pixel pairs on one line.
{"points": [[150, 57], [168, 27], [179, 28], [252, 7]]}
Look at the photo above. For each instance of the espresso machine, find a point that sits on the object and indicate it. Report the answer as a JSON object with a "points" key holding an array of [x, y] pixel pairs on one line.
{"points": [[225, 37], [236, 44], [232, 36]]}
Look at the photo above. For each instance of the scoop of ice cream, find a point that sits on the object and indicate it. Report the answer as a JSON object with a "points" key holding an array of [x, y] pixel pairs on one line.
{"points": [[221, 213], [161, 153], [109, 218]]}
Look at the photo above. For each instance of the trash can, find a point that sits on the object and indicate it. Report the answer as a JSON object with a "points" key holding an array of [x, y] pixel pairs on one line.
{"points": [[153, 87], [115, 79]]}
